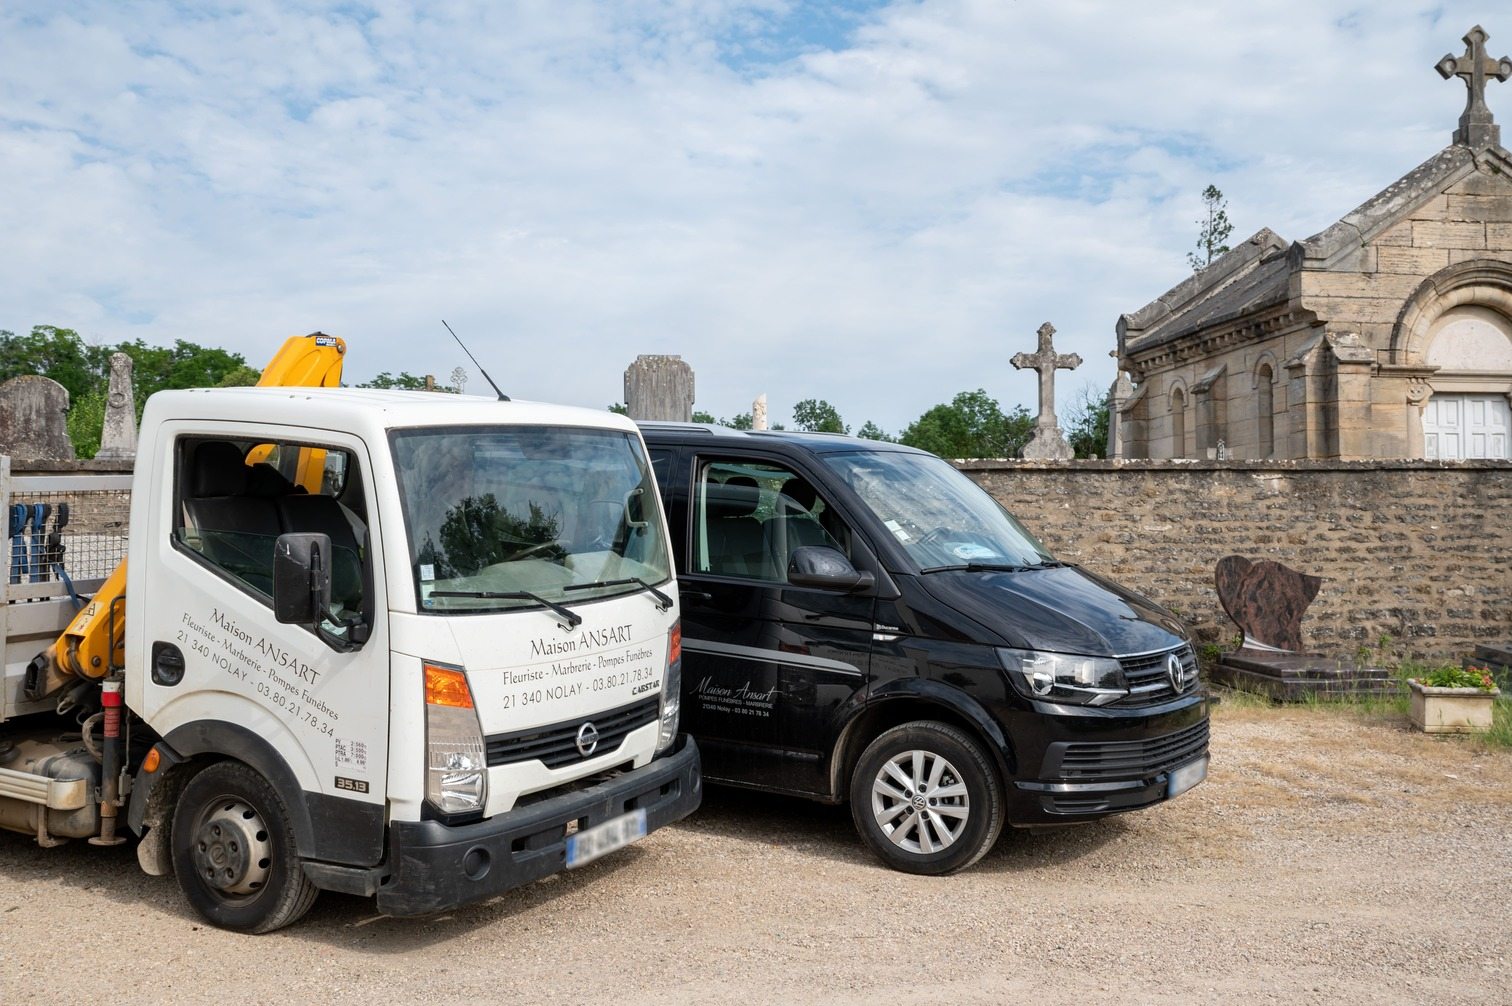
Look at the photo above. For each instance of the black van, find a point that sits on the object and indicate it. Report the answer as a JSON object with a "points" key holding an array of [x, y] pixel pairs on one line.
{"points": [[863, 622]]}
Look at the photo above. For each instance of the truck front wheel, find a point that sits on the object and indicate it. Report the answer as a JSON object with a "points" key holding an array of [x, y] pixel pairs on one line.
{"points": [[234, 852], [926, 799]]}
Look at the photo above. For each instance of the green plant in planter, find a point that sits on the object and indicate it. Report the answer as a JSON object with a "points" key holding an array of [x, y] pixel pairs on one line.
{"points": [[1450, 676]]}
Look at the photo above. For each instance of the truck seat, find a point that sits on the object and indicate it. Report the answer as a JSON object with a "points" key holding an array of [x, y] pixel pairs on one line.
{"points": [[235, 531]]}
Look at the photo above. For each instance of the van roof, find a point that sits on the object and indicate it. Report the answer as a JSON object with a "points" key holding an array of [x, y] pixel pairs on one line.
{"points": [[815, 443]]}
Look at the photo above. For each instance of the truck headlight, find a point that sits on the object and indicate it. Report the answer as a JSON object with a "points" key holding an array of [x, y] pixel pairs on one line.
{"points": [[671, 693], [1065, 677], [456, 775]]}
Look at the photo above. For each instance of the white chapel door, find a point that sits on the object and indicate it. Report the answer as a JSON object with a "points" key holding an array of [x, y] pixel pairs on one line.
{"points": [[1457, 427]]}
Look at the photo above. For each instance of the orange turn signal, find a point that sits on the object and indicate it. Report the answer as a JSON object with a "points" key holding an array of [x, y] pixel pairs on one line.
{"points": [[447, 686], [674, 643], [152, 761]]}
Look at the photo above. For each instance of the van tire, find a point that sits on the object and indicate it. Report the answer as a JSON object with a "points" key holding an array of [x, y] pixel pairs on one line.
{"points": [[897, 817], [234, 853]]}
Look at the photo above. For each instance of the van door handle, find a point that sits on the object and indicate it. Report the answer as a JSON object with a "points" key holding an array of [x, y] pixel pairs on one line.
{"points": [[689, 594]]}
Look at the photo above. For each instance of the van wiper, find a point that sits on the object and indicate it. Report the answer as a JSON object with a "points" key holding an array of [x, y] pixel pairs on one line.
{"points": [[663, 602], [993, 567], [567, 615]]}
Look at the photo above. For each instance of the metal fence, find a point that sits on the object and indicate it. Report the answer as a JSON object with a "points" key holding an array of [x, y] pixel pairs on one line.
{"points": [[62, 530]]}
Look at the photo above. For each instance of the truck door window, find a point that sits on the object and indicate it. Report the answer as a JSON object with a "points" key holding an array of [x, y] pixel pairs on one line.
{"points": [[751, 515], [234, 498]]}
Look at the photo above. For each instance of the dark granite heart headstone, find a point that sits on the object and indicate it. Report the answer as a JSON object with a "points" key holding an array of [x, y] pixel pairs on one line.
{"points": [[1266, 599]]}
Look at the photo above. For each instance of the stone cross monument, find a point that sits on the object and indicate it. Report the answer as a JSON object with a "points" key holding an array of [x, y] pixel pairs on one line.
{"points": [[119, 438], [1048, 441], [1476, 128], [659, 387]]}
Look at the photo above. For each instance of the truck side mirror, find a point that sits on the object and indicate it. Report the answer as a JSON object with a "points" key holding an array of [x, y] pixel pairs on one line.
{"points": [[301, 577], [827, 569]]}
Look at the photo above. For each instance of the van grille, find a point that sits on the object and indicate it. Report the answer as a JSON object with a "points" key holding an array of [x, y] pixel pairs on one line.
{"points": [[1107, 761], [556, 745], [1147, 678]]}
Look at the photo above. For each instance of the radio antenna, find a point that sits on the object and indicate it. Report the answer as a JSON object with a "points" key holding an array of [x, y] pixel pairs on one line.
{"points": [[502, 397]]}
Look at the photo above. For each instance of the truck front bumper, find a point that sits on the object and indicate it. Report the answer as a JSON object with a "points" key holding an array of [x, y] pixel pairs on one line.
{"points": [[434, 866]]}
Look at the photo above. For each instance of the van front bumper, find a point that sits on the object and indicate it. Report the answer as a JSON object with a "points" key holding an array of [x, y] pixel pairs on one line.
{"points": [[1093, 765], [435, 866]]}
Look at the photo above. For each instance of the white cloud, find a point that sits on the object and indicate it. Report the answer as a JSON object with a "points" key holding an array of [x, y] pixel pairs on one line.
{"points": [[881, 224]]}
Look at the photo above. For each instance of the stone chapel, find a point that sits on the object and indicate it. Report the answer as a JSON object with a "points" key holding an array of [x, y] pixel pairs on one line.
{"points": [[1388, 335]]}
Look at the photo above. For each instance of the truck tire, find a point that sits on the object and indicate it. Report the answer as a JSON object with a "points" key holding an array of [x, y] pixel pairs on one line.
{"points": [[234, 853], [926, 798]]}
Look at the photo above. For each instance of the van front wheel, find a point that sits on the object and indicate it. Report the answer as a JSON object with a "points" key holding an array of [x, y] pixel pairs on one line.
{"points": [[926, 798]]}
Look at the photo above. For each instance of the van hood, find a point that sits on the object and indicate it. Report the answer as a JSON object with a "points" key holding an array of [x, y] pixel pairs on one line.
{"points": [[1061, 609]]}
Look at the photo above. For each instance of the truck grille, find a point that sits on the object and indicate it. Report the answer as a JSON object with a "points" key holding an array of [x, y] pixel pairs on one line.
{"points": [[1147, 678], [1107, 761], [556, 745]]}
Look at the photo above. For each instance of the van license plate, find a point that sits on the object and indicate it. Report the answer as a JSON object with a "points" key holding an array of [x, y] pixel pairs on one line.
{"points": [[1184, 778], [586, 846]]}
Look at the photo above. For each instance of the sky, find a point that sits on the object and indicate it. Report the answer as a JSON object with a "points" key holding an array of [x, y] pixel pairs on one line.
{"points": [[875, 204]]}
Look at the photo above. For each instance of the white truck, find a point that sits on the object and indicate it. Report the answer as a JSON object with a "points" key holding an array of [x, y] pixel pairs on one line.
{"points": [[418, 646]]}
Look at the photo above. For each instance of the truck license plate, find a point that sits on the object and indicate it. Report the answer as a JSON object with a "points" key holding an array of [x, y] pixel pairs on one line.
{"points": [[1184, 778], [586, 846]]}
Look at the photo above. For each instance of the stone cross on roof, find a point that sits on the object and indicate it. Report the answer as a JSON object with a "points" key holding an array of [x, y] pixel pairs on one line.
{"points": [[1476, 128], [1047, 441]]}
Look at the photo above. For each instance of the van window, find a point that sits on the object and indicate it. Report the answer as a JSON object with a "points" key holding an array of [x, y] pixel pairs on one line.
{"points": [[750, 516], [942, 519], [234, 498]]}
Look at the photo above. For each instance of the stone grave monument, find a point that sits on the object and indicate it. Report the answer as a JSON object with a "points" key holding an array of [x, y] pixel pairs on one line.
{"points": [[1267, 601], [119, 437], [34, 419], [659, 387], [1047, 441]]}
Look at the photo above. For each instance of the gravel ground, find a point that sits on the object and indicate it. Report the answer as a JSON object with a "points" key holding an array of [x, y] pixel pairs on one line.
{"points": [[1328, 858]]}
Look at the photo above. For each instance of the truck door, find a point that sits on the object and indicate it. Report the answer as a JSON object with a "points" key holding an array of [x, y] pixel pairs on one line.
{"points": [[221, 674], [767, 664]]}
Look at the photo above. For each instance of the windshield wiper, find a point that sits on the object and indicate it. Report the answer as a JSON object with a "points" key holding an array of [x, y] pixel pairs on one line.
{"points": [[663, 602], [572, 619], [993, 567]]}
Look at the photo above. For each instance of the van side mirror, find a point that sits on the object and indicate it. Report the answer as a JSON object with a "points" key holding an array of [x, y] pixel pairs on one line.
{"points": [[301, 577], [827, 569]]}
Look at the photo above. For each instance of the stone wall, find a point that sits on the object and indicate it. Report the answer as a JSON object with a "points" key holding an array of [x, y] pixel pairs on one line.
{"points": [[1417, 551]]}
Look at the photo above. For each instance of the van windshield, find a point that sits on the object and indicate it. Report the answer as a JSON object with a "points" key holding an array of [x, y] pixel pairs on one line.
{"points": [[553, 516], [942, 518]]}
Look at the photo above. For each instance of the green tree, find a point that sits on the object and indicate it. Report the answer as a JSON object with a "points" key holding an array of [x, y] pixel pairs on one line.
{"points": [[699, 416], [971, 426], [86, 421], [1213, 230], [1087, 423], [743, 421], [58, 353], [405, 381], [620, 409], [871, 431], [818, 416]]}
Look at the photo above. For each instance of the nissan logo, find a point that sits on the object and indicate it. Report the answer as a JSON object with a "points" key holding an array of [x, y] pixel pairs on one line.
{"points": [[1173, 671], [587, 738]]}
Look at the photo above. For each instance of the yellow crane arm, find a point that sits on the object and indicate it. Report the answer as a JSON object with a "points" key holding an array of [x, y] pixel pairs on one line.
{"points": [[88, 648]]}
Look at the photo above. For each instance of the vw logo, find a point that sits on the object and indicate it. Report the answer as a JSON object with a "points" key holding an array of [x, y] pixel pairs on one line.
{"points": [[587, 739], [1173, 671]]}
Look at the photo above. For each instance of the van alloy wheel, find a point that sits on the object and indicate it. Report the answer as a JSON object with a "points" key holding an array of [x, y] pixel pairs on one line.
{"points": [[920, 802], [926, 797]]}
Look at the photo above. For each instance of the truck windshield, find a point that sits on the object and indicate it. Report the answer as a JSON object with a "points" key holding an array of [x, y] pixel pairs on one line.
{"points": [[943, 519], [506, 517]]}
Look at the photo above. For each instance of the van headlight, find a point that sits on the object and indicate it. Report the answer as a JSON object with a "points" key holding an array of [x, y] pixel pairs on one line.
{"points": [[1064, 677], [671, 693], [456, 770]]}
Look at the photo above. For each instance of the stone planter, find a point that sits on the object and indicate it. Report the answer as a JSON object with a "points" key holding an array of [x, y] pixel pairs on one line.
{"points": [[1451, 710]]}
